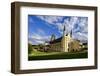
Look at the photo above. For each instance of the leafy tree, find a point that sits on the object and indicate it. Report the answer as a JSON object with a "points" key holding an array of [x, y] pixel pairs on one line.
{"points": [[30, 49]]}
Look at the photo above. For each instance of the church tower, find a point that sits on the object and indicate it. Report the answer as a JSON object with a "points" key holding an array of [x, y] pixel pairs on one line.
{"points": [[64, 41]]}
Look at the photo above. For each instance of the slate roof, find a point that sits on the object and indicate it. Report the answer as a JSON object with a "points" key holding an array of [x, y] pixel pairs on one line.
{"points": [[56, 40]]}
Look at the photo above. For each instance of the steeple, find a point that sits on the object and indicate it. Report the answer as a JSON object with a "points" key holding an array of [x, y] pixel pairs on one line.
{"points": [[64, 31], [53, 37], [71, 33]]}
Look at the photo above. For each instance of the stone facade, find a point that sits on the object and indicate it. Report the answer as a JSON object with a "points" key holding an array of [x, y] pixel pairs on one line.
{"points": [[64, 43], [61, 44]]}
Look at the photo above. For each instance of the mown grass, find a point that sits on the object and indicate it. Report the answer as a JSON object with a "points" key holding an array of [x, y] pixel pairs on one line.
{"points": [[57, 55]]}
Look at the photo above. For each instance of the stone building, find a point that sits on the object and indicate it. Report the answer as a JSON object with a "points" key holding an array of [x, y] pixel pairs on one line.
{"points": [[62, 43], [75, 46]]}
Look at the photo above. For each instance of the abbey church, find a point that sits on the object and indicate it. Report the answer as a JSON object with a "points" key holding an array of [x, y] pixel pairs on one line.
{"points": [[64, 43]]}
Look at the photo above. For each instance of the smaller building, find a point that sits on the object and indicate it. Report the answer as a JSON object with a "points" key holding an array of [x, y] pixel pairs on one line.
{"points": [[74, 46]]}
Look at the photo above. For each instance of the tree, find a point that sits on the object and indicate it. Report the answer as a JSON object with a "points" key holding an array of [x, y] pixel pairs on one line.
{"points": [[30, 49]]}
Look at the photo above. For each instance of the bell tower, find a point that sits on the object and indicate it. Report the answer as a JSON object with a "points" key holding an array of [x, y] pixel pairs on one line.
{"points": [[64, 41]]}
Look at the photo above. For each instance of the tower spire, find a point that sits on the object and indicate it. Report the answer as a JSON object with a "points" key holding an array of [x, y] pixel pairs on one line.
{"points": [[71, 33], [64, 31]]}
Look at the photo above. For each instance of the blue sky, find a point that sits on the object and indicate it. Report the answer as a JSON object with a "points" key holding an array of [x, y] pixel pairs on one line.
{"points": [[41, 27]]}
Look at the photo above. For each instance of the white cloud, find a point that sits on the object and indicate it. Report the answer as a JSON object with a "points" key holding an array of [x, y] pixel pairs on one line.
{"points": [[83, 23], [80, 36], [40, 31], [56, 20], [51, 19], [38, 38], [35, 42], [30, 42], [70, 23]]}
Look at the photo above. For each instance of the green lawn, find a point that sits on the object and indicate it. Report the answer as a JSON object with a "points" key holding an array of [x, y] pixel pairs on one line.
{"points": [[56, 55]]}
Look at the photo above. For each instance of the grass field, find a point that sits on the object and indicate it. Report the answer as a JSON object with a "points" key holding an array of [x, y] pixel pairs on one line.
{"points": [[57, 55]]}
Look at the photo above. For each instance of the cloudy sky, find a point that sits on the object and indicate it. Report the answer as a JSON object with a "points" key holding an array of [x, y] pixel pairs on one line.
{"points": [[40, 28]]}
